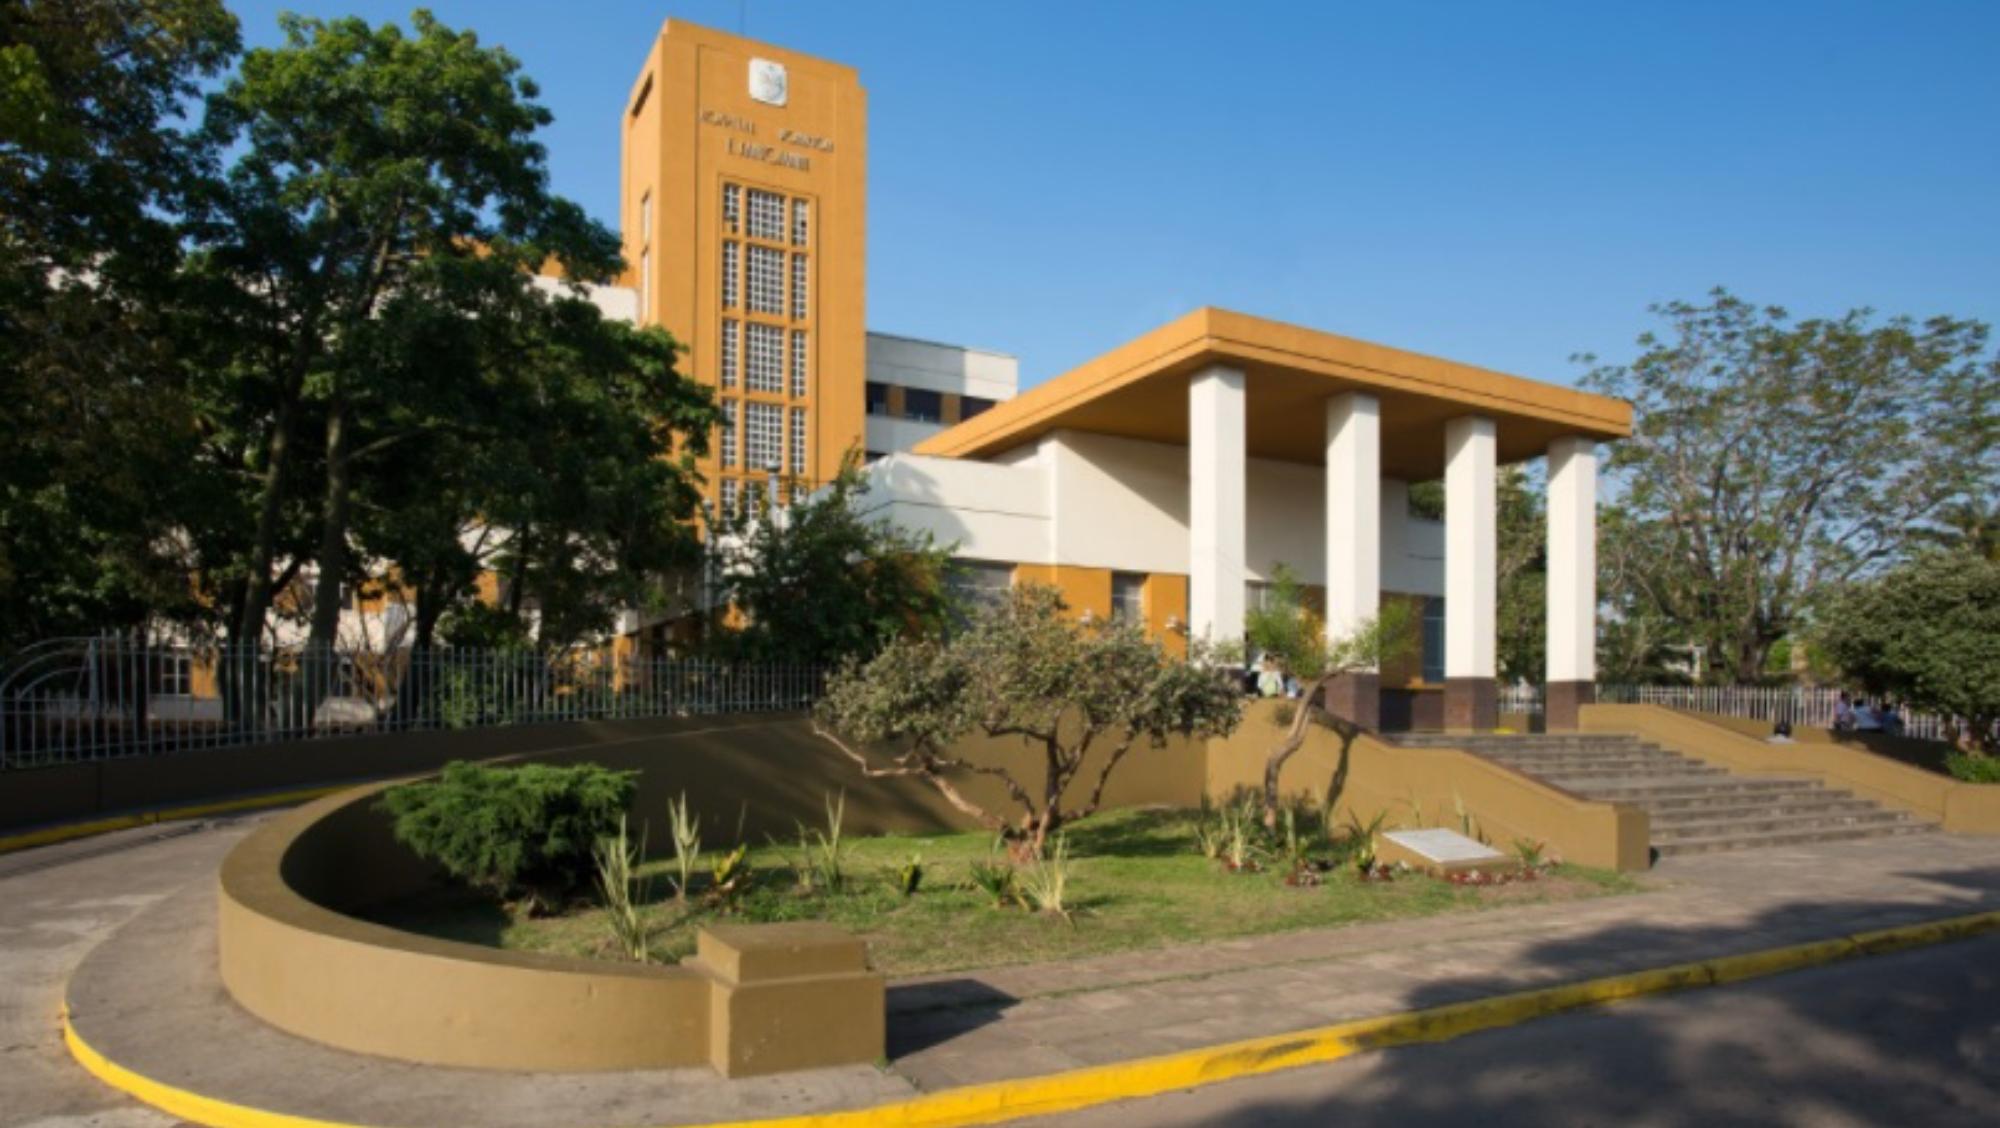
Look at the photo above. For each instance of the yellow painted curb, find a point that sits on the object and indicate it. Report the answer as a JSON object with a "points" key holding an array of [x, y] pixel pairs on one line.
{"points": [[49, 836], [1082, 1088]]}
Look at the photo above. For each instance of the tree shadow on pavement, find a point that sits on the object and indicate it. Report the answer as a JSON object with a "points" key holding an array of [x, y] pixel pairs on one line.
{"points": [[1910, 1038]]}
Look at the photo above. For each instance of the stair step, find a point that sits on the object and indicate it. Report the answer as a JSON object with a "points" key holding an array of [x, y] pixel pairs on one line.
{"points": [[1686, 773], [1723, 842], [1447, 740], [1622, 751], [1671, 805], [1698, 808], [1557, 765], [1640, 790], [1534, 740], [1773, 822]]}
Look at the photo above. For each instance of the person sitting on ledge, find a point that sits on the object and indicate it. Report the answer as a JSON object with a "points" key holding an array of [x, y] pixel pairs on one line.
{"points": [[1891, 718], [1866, 719]]}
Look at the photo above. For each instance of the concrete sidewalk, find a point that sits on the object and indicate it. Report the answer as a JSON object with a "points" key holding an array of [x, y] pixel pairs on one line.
{"points": [[148, 998]]}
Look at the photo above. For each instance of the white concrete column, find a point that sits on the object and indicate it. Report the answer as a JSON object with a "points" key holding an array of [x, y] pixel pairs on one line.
{"points": [[1218, 496], [1471, 577], [1572, 594], [1353, 511]]}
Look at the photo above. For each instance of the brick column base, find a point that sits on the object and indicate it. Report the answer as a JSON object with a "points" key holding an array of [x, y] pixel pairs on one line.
{"points": [[1563, 702], [1471, 704], [1356, 698]]}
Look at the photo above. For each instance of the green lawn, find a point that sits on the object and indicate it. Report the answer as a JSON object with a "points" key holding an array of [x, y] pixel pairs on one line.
{"points": [[1137, 882]]}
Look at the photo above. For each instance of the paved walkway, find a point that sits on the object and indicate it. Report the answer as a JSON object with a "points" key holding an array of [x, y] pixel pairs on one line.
{"points": [[158, 999]]}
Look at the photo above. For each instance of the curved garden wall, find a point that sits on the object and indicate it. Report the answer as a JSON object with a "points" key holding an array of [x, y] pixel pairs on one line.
{"points": [[294, 961], [292, 954]]}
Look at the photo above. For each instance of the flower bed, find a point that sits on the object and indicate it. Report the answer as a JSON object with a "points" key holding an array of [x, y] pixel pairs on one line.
{"points": [[1132, 879]]}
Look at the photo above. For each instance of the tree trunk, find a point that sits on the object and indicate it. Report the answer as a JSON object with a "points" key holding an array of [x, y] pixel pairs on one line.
{"points": [[420, 680], [246, 690], [332, 554], [1294, 739], [320, 661]]}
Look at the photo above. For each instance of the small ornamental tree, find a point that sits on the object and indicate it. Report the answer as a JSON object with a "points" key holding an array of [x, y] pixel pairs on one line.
{"points": [[1286, 632], [1928, 634], [1085, 693]]}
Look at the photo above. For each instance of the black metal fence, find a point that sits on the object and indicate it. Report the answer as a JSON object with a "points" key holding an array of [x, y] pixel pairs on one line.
{"points": [[73, 700]]}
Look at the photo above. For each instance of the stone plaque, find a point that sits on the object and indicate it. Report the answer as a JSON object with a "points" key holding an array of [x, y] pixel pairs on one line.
{"points": [[1444, 847]]}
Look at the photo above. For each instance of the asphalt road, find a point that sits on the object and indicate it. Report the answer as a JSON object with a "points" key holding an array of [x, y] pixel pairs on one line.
{"points": [[1910, 1040]]}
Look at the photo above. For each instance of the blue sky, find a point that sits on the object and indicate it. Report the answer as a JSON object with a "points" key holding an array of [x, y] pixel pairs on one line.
{"points": [[1500, 183]]}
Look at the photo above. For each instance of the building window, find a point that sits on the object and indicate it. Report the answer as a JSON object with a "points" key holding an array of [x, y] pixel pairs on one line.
{"points": [[922, 405], [767, 281], [645, 284], [732, 337], [767, 216], [763, 436], [728, 432], [969, 406], [732, 272], [800, 212], [764, 354], [798, 287], [730, 496], [1128, 590], [1256, 595], [732, 208], [173, 673], [1433, 639], [877, 398], [646, 219], [798, 451], [980, 583], [799, 492], [798, 364]]}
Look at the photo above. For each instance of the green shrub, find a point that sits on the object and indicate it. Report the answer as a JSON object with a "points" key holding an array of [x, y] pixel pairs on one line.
{"points": [[524, 832], [1973, 769]]}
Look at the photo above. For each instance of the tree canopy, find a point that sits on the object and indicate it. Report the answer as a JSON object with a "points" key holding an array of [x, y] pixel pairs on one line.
{"points": [[96, 159], [1926, 633], [819, 581], [302, 337], [1081, 695], [1775, 460], [1285, 631]]}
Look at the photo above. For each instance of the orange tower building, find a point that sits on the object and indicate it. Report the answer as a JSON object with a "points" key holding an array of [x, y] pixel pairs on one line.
{"points": [[743, 206]]}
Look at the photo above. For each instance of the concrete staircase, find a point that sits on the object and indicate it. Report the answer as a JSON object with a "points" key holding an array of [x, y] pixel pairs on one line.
{"points": [[1695, 808]]}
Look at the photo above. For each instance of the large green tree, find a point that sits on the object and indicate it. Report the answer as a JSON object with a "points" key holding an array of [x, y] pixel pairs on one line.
{"points": [[382, 180], [820, 580], [95, 161], [1774, 460], [1927, 633], [556, 450]]}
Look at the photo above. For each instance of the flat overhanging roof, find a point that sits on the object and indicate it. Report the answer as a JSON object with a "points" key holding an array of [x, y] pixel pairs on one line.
{"points": [[1140, 390]]}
